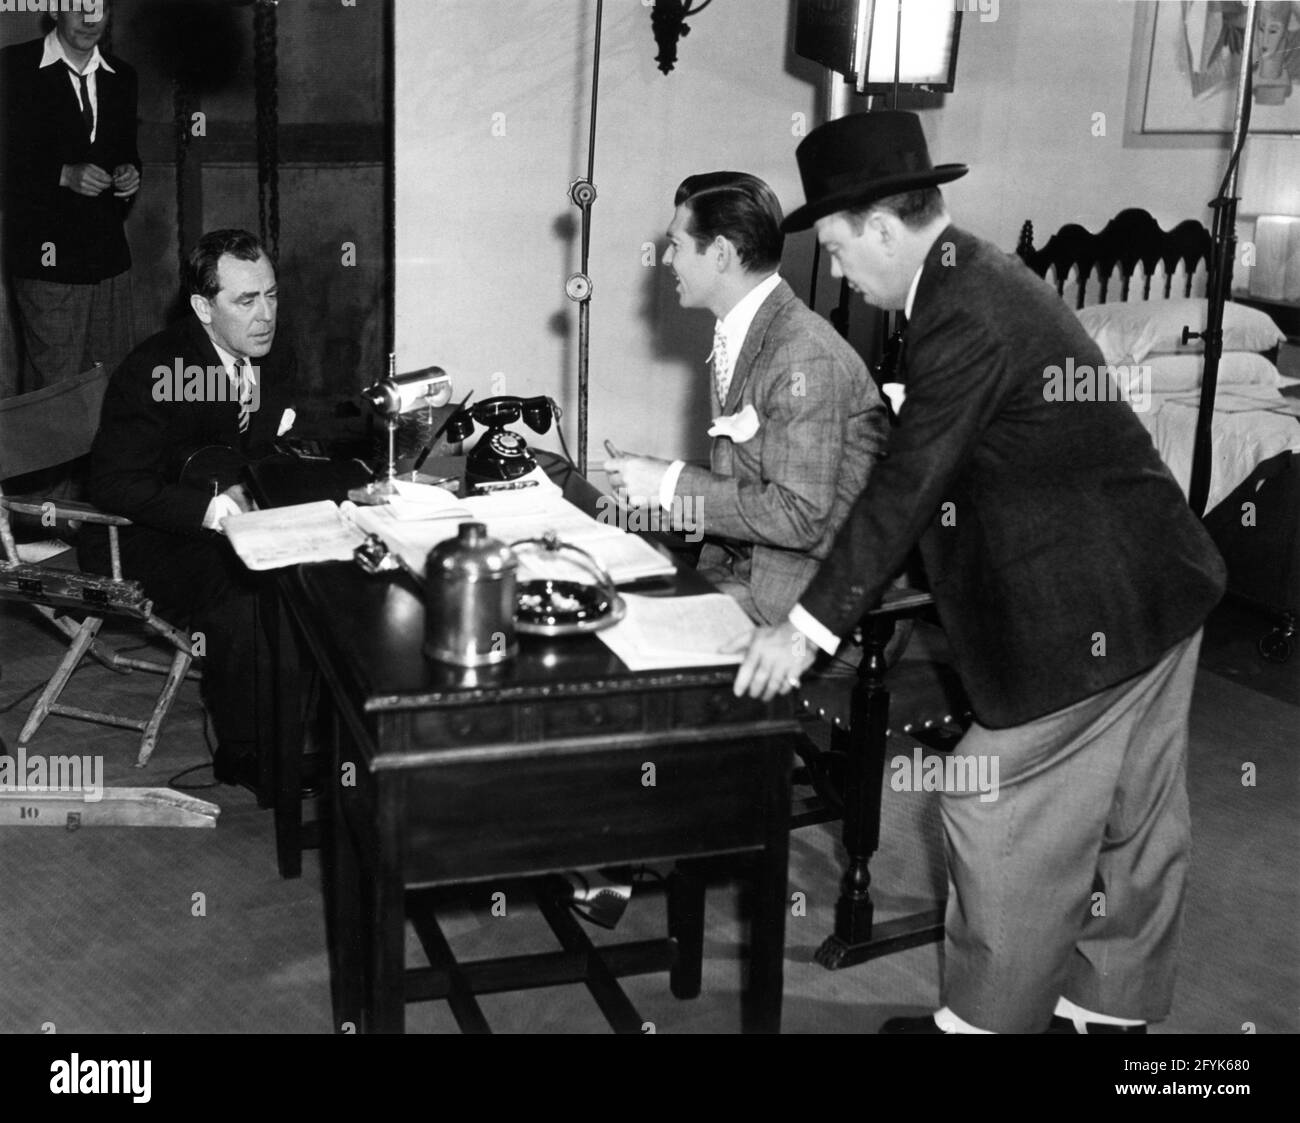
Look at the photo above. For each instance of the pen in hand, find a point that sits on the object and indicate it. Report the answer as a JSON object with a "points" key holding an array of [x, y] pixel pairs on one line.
{"points": [[613, 452]]}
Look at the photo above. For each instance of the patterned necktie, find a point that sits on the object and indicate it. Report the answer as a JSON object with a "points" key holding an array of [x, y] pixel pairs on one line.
{"points": [[721, 371], [245, 395], [87, 112]]}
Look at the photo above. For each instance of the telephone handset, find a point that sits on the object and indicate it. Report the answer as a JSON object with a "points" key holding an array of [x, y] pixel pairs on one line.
{"points": [[501, 454]]}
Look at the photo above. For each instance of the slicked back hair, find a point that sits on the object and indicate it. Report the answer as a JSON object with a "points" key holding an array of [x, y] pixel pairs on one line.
{"points": [[201, 266], [739, 207]]}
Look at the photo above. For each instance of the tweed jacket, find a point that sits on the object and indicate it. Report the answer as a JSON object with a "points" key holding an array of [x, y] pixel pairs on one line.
{"points": [[769, 506], [1062, 555]]}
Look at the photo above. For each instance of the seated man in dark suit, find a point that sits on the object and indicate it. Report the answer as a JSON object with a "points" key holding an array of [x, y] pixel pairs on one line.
{"points": [[213, 381]]}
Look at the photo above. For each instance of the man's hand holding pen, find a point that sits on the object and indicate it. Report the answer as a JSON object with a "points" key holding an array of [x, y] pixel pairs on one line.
{"points": [[638, 476]]}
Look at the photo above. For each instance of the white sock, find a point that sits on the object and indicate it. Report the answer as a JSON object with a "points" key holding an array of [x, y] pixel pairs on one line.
{"points": [[1080, 1017], [947, 1021]]}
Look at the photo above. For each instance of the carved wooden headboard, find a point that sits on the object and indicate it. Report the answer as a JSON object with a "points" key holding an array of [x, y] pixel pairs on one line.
{"points": [[1131, 239]]}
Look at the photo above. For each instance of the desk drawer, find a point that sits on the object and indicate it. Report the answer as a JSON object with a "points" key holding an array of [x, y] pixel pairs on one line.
{"points": [[593, 717], [471, 725], [714, 706]]}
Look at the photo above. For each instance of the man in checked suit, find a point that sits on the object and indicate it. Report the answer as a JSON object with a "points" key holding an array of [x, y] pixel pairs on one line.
{"points": [[800, 421], [215, 380], [1072, 582], [71, 172]]}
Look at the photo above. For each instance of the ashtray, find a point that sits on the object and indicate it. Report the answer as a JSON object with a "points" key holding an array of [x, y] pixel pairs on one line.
{"points": [[562, 607]]}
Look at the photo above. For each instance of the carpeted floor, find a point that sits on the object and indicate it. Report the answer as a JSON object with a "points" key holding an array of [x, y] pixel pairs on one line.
{"points": [[130, 930]]}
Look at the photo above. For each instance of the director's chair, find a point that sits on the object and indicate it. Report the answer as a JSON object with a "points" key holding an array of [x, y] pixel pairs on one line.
{"points": [[43, 430]]}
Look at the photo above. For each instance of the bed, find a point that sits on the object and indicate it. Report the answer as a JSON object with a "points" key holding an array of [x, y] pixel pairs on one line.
{"points": [[1135, 286]]}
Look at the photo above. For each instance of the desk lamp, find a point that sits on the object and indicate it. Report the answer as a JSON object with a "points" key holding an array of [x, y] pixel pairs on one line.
{"points": [[397, 394]]}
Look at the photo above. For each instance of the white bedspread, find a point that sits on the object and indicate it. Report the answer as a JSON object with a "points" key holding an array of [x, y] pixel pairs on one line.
{"points": [[1249, 426]]}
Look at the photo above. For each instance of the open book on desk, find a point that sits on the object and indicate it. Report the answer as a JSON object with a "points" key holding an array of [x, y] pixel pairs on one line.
{"points": [[323, 531], [280, 536], [662, 632]]}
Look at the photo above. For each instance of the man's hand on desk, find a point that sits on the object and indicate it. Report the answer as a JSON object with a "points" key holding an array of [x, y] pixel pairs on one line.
{"points": [[233, 501], [639, 476], [776, 658]]}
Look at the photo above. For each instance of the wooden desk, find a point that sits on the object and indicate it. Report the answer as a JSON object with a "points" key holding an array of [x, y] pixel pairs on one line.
{"points": [[560, 759]]}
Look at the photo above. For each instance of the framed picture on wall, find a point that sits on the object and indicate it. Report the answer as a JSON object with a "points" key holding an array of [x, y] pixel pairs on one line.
{"points": [[1186, 61]]}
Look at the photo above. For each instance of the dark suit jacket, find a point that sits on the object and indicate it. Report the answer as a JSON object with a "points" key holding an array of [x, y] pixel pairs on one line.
{"points": [[43, 131], [145, 436], [1068, 560], [778, 498]]}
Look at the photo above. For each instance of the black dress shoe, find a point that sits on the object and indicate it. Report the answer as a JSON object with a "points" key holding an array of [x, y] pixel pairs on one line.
{"points": [[924, 1024], [1066, 1025]]}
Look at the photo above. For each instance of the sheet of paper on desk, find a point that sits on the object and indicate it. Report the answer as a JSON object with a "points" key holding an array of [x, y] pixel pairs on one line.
{"points": [[662, 632], [307, 532]]}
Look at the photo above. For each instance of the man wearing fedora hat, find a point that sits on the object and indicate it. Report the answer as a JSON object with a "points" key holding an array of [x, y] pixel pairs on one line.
{"points": [[1072, 582]]}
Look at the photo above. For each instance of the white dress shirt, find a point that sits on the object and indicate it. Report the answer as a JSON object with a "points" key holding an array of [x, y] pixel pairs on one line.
{"points": [[734, 327], [799, 616], [54, 55]]}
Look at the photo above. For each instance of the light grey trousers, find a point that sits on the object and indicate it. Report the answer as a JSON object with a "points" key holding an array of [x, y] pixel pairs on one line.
{"points": [[1070, 881]]}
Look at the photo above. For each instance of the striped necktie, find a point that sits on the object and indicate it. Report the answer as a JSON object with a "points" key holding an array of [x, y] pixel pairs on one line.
{"points": [[245, 395], [87, 110], [721, 368]]}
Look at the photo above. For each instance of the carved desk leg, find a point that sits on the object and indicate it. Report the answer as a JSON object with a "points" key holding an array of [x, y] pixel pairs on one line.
{"points": [[863, 745]]}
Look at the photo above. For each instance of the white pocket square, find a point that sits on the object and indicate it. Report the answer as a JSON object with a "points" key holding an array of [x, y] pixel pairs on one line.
{"points": [[287, 418], [740, 427], [896, 392]]}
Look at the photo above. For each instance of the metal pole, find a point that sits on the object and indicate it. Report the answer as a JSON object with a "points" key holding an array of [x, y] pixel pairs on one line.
{"points": [[1220, 278]]}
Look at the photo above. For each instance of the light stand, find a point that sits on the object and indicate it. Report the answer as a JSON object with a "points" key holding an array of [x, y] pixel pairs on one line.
{"points": [[1219, 282]]}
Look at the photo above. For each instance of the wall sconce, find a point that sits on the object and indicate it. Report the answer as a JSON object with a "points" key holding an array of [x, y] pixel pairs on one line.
{"points": [[1271, 190], [668, 19]]}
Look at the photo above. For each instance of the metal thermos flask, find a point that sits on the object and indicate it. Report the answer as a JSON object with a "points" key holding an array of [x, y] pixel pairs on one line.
{"points": [[469, 597]]}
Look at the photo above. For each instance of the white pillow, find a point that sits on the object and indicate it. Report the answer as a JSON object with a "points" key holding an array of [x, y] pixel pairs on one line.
{"points": [[1128, 331], [1171, 373]]}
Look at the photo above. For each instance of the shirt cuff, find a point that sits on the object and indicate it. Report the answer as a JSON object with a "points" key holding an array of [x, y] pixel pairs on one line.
{"points": [[668, 485], [814, 629], [219, 507]]}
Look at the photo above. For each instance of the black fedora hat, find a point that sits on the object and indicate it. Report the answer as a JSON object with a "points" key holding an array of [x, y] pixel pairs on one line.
{"points": [[857, 159]]}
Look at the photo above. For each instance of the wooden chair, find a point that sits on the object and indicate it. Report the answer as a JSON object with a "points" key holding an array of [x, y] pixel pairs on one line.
{"points": [[848, 777], [43, 430]]}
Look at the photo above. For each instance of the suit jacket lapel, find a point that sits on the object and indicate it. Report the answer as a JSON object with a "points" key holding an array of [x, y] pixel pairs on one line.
{"points": [[753, 344]]}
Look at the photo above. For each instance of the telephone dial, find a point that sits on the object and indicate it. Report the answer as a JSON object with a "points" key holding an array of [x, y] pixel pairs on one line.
{"points": [[501, 454]]}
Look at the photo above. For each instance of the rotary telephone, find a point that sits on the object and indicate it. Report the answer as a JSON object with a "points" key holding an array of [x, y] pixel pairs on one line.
{"points": [[501, 454]]}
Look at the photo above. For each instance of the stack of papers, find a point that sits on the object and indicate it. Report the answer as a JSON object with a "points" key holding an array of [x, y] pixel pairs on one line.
{"points": [[421, 516], [511, 516], [663, 632]]}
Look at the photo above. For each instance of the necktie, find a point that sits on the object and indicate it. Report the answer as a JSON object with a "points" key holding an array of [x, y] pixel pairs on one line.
{"points": [[87, 112], [245, 395], [721, 371]]}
